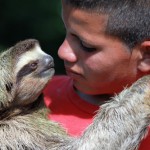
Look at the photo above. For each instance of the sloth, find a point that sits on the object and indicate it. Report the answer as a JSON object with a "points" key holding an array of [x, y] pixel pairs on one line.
{"points": [[25, 70]]}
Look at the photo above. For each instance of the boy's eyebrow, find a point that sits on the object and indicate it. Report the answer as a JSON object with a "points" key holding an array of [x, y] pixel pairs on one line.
{"points": [[86, 41]]}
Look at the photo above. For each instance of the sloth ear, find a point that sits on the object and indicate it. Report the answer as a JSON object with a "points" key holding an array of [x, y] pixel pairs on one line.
{"points": [[144, 65]]}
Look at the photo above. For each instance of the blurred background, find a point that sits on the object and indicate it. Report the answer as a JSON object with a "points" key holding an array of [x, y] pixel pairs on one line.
{"points": [[40, 19]]}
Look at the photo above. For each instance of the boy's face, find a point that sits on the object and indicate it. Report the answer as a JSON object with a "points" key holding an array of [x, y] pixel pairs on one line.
{"points": [[97, 63]]}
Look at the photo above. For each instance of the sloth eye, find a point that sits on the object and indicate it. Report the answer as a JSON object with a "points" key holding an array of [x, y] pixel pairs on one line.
{"points": [[27, 69], [34, 65]]}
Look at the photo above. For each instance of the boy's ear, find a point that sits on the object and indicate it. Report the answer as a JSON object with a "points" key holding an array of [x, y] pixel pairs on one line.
{"points": [[144, 65]]}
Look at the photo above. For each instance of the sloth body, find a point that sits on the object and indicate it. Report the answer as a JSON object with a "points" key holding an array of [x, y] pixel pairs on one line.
{"points": [[24, 72]]}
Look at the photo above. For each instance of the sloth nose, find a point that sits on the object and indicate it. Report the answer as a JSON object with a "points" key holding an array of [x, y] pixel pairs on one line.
{"points": [[48, 62]]}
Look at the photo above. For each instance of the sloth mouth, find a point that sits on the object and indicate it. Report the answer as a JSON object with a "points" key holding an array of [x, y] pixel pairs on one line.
{"points": [[47, 70], [50, 66]]}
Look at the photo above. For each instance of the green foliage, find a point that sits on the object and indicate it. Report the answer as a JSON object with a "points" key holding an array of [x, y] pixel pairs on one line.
{"points": [[21, 19]]}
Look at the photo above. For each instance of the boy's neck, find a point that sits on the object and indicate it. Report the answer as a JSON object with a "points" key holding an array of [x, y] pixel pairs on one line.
{"points": [[94, 99]]}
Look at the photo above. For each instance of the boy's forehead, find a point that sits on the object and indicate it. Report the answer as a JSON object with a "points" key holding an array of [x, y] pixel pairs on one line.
{"points": [[76, 16], [88, 27]]}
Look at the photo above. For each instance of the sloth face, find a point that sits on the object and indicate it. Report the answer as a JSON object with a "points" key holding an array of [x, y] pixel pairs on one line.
{"points": [[33, 70], [24, 72]]}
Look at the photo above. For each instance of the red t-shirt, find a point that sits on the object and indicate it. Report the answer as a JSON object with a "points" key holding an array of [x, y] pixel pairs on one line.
{"points": [[72, 112]]}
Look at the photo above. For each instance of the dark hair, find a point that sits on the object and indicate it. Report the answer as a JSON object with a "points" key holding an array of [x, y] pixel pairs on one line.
{"points": [[129, 20]]}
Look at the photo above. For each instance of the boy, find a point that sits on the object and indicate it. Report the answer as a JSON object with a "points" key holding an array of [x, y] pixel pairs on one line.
{"points": [[107, 48]]}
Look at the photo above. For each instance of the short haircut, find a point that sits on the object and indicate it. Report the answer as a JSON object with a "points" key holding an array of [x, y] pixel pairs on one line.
{"points": [[128, 20]]}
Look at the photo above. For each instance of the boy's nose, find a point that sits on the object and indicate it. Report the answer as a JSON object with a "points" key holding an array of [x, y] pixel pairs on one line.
{"points": [[66, 52]]}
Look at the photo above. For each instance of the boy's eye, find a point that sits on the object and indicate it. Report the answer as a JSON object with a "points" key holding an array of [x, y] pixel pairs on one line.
{"points": [[86, 47]]}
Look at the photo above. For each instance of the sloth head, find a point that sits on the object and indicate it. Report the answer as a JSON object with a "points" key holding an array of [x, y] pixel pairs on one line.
{"points": [[24, 71]]}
